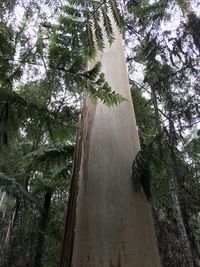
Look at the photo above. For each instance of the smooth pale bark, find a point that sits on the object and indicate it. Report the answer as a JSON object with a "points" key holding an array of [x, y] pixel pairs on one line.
{"points": [[113, 224]]}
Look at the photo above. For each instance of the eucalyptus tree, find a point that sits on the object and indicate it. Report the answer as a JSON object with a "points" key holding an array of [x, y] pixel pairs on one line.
{"points": [[106, 215], [45, 80]]}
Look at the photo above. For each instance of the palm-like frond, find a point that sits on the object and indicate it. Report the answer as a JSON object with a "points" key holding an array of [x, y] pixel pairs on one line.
{"points": [[49, 155], [12, 187]]}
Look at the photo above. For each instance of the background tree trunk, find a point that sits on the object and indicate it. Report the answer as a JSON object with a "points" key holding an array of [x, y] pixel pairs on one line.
{"points": [[42, 229], [113, 224], [12, 223], [193, 22], [180, 224]]}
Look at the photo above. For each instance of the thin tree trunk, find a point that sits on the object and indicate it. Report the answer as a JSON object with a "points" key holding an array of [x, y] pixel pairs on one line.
{"points": [[12, 223], [193, 22], [157, 117], [113, 226], [178, 212], [173, 186], [180, 223], [42, 229], [10, 235]]}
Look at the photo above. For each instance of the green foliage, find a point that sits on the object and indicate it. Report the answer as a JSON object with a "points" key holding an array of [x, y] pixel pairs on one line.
{"points": [[98, 88], [12, 187], [6, 53], [144, 115], [43, 75], [193, 149], [141, 174], [49, 154], [168, 118], [76, 39]]}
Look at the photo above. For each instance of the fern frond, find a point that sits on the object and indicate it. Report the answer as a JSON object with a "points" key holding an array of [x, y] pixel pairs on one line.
{"points": [[92, 12], [115, 13], [59, 172], [94, 72], [107, 24], [49, 155], [98, 31], [105, 94], [72, 11], [91, 47], [98, 88], [14, 188]]}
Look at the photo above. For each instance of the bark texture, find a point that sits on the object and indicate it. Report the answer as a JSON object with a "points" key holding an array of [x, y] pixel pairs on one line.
{"points": [[67, 248], [180, 224], [113, 224]]}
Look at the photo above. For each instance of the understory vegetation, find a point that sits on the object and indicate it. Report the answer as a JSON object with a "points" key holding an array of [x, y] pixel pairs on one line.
{"points": [[44, 50]]}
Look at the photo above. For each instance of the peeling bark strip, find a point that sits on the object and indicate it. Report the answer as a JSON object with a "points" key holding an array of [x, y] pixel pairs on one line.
{"points": [[67, 247], [88, 119], [83, 133]]}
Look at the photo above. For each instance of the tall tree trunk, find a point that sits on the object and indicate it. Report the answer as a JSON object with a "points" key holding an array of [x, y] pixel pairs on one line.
{"points": [[42, 229], [113, 224], [173, 185], [193, 22], [178, 212], [180, 223]]}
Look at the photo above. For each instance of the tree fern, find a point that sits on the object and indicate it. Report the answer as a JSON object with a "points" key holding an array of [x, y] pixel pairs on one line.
{"points": [[12, 187], [49, 155]]}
